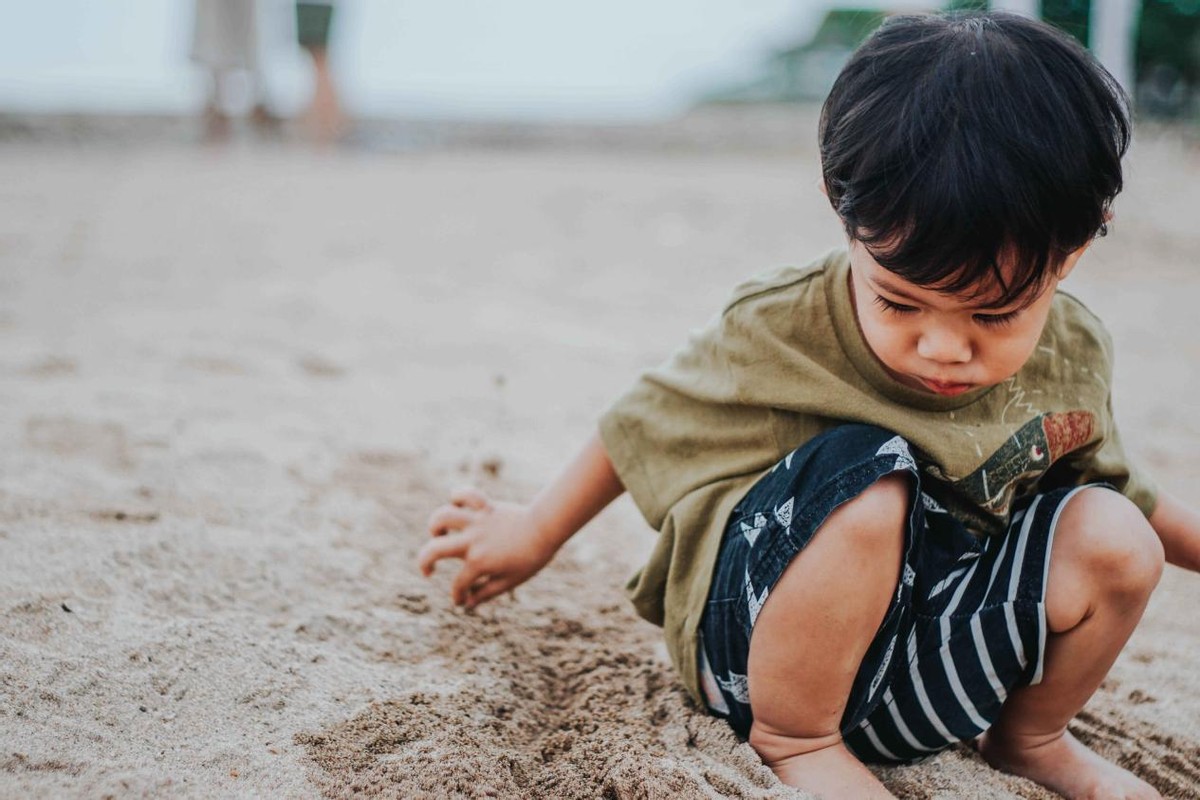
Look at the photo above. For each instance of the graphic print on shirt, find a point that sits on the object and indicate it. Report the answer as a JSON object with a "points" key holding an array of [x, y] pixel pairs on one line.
{"points": [[987, 494]]}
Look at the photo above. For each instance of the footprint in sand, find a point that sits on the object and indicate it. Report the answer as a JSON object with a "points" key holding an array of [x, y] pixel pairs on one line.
{"points": [[50, 367], [105, 442], [319, 367], [1169, 763], [215, 365]]}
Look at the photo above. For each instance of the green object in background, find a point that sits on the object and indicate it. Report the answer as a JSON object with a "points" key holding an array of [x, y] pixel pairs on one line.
{"points": [[1072, 16], [967, 5], [313, 21], [805, 69], [1169, 35], [1168, 59], [847, 27]]}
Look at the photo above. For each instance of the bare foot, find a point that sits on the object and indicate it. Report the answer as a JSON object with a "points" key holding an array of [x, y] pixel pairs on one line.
{"points": [[1066, 766], [216, 125], [831, 773]]}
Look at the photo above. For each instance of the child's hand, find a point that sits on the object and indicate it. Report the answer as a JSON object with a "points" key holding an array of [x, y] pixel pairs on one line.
{"points": [[504, 544], [499, 544]]}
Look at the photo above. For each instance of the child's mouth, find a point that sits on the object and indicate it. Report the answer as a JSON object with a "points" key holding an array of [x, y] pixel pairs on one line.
{"points": [[946, 389]]}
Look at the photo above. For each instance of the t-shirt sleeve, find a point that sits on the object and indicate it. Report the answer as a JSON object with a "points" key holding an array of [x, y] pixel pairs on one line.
{"points": [[1107, 460], [685, 424]]}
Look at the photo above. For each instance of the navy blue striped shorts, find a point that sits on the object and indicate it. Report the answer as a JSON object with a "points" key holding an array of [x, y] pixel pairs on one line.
{"points": [[966, 626]]}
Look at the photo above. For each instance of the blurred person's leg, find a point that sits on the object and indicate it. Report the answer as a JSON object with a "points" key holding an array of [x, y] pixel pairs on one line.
{"points": [[217, 126], [262, 117], [224, 42], [324, 118]]}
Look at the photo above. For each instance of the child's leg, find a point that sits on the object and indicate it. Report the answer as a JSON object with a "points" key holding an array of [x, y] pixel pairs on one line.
{"points": [[1104, 563], [812, 634]]}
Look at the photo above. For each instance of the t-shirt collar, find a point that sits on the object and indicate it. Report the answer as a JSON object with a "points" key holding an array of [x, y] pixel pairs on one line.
{"points": [[868, 365]]}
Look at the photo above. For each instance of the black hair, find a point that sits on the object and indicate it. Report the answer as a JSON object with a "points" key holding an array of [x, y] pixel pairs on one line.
{"points": [[973, 151]]}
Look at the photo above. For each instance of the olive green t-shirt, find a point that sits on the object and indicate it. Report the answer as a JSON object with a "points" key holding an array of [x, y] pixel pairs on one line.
{"points": [[786, 361]]}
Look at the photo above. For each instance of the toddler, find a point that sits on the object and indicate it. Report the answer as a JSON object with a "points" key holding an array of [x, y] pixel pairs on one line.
{"points": [[894, 510]]}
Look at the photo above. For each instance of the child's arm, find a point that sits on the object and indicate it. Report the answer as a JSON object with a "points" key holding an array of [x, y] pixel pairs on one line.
{"points": [[504, 544], [1178, 526]]}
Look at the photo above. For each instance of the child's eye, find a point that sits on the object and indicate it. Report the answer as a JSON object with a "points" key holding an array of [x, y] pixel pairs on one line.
{"points": [[996, 320], [895, 308]]}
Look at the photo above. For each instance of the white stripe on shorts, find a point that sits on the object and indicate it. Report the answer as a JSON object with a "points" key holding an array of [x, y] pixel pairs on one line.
{"points": [[945, 582], [889, 700], [1014, 637], [873, 737], [996, 567], [922, 695], [960, 693], [985, 658], [1022, 543], [1014, 579]]}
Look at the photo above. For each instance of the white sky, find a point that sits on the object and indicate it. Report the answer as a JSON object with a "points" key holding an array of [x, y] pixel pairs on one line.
{"points": [[470, 58]]}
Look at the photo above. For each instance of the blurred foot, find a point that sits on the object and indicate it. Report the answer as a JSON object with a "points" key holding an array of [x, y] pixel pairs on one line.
{"points": [[265, 121], [217, 128]]}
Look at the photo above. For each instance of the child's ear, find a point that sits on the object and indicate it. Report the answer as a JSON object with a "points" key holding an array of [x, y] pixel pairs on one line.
{"points": [[1070, 261]]}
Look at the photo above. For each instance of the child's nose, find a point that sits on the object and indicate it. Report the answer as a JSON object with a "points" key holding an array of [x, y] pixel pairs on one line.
{"points": [[944, 346]]}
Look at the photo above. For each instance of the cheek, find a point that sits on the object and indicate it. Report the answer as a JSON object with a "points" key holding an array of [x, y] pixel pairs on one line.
{"points": [[886, 340], [1008, 355]]}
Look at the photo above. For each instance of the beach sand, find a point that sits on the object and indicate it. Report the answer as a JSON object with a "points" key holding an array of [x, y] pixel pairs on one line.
{"points": [[234, 384]]}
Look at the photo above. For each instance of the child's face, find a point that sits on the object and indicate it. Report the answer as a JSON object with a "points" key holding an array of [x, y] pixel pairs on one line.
{"points": [[940, 343]]}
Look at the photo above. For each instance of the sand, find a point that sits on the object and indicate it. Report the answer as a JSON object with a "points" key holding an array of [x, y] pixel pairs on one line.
{"points": [[234, 384]]}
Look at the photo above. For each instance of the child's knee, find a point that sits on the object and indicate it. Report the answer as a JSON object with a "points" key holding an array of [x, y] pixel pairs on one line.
{"points": [[877, 518], [1104, 546]]}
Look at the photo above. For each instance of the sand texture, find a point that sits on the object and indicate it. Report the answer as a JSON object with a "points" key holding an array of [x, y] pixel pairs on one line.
{"points": [[234, 384]]}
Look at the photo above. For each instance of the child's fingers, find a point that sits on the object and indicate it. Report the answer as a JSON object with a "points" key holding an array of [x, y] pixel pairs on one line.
{"points": [[437, 549], [469, 497], [460, 588], [481, 593], [449, 518]]}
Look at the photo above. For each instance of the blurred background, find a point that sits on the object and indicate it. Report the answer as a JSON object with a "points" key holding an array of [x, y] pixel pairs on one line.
{"points": [[224, 62]]}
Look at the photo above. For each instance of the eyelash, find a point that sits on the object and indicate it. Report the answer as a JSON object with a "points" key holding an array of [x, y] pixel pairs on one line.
{"points": [[989, 320], [996, 320], [894, 308]]}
